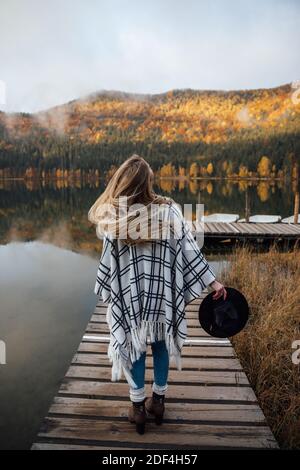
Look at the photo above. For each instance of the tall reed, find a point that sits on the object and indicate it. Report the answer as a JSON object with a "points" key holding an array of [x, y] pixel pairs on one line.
{"points": [[271, 283]]}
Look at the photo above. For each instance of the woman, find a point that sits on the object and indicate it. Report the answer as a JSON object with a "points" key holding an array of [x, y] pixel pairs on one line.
{"points": [[150, 268]]}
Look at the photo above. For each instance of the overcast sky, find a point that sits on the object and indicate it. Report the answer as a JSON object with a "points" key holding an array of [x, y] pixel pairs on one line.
{"points": [[52, 51]]}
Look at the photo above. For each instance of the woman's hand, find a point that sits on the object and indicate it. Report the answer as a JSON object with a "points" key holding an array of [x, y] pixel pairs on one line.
{"points": [[220, 290]]}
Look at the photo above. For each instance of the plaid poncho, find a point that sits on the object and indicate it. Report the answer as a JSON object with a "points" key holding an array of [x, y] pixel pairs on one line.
{"points": [[147, 287]]}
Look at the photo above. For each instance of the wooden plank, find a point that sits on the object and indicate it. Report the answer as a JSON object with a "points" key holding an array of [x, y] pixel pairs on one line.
{"points": [[185, 376], [205, 412], [194, 363], [290, 228], [251, 229], [100, 338], [247, 228], [211, 227], [98, 318], [103, 329], [194, 351], [53, 446], [189, 436], [220, 228], [271, 229], [179, 392], [228, 228]]}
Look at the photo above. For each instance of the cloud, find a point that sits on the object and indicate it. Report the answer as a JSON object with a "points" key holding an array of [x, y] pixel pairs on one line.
{"points": [[53, 52]]}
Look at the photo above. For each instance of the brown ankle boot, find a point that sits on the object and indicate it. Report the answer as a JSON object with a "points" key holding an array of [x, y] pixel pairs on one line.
{"points": [[137, 415], [156, 406]]}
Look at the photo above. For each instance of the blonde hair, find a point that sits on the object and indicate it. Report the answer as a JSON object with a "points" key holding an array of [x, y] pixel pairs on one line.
{"points": [[133, 180]]}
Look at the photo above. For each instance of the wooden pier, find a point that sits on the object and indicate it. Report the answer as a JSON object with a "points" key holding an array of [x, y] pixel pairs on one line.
{"points": [[251, 231], [210, 403]]}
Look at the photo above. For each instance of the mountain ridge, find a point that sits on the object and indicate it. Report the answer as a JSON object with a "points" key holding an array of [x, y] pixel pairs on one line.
{"points": [[177, 127], [119, 94]]}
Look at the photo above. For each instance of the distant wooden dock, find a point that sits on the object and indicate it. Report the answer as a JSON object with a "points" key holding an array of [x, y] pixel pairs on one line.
{"points": [[210, 403], [251, 231]]}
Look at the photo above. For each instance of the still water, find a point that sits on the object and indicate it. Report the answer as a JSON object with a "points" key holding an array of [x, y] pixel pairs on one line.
{"points": [[48, 262], [57, 211], [46, 301]]}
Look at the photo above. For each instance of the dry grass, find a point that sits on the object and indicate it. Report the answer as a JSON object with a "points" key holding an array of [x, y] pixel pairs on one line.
{"points": [[271, 283]]}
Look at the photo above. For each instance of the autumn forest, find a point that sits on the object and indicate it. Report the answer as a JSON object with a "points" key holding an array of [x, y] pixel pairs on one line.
{"points": [[182, 133]]}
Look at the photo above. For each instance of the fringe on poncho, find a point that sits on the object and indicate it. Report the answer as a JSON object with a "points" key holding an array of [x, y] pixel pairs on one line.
{"points": [[147, 287]]}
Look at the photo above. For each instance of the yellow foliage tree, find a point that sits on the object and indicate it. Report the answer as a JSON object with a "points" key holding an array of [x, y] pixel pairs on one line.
{"points": [[167, 170], [210, 168], [264, 166], [229, 169], [224, 165], [194, 170], [243, 171], [181, 171], [203, 170]]}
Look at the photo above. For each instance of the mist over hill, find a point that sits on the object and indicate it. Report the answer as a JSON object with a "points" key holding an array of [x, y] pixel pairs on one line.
{"points": [[196, 132]]}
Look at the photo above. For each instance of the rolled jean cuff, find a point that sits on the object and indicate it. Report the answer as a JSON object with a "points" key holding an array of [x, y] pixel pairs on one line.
{"points": [[159, 389], [137, 394]]}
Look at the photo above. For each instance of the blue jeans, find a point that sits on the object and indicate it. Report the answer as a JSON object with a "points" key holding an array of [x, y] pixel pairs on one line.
{"points": [[161, 370]]}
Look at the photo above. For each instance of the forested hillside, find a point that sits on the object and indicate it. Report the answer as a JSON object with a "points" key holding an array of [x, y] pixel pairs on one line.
{"points": [[181, 132]]}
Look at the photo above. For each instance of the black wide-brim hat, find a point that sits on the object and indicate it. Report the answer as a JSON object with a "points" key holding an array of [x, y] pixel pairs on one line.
{"points": [[224, 318]]}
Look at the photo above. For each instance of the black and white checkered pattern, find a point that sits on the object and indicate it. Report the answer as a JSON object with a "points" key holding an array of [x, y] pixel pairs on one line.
{"points": [[147, 287]]}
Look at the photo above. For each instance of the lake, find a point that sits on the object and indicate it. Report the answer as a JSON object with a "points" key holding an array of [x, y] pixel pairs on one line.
{"points": [[48, 261], [56, 211]]}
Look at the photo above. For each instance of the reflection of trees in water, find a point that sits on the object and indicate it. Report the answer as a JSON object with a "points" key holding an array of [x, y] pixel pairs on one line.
{"points": [[226, 189], [29, 208], [167, 185], [243, 186], [209, 187], [263, 191], [193, 186]]}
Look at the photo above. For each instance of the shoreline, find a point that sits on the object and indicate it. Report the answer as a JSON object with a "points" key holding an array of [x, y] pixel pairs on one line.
{"points": [[167, 178]]}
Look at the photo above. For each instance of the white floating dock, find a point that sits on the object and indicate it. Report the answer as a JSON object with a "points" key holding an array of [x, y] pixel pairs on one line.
{"points": [[265, 219], [290, 220], [226, 218]]}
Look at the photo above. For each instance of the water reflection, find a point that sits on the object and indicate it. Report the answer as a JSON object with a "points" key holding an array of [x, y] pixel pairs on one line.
{"points": [[46, 301], [56, 210]]}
